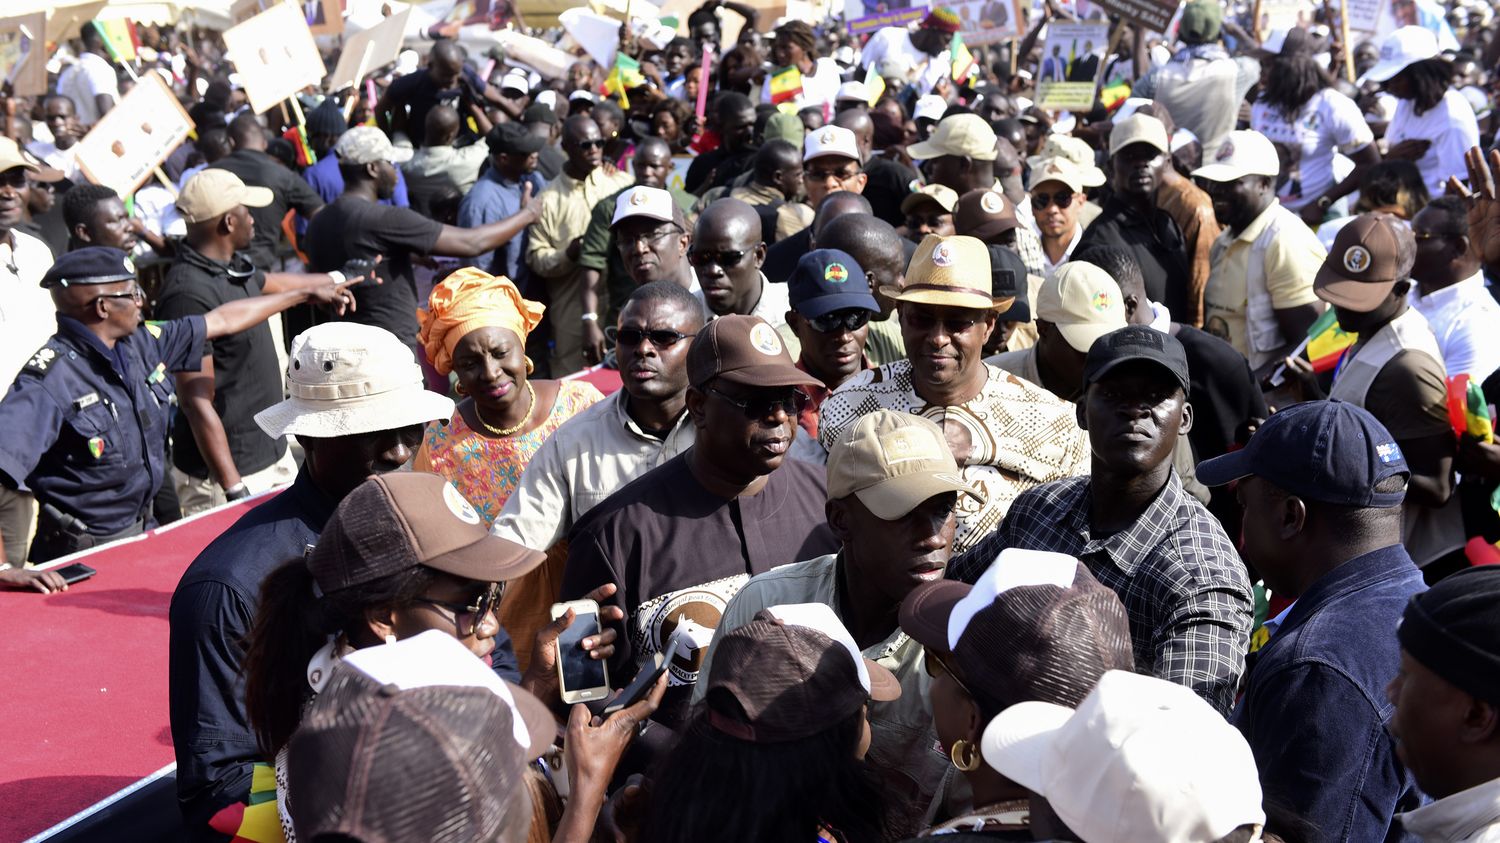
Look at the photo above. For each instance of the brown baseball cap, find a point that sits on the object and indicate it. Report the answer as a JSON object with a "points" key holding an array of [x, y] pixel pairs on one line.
{"points": [[395, 522], [1369, 257], [984, 214], [791, 672], [745, 350], [1035, 626]]}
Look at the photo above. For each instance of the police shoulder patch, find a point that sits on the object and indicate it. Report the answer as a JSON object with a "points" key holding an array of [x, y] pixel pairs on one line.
{"points": [[41, 361], [154, 328]]}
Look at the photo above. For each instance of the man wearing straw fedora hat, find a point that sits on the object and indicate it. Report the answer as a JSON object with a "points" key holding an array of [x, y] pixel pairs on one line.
{"points": [[1006, 434]]}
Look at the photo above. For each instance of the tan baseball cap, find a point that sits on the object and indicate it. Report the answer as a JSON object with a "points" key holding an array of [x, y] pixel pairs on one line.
{"points": [[745, 350], [213, 192], [1075, 150], [1242, 153], [1061, 170], [892, 462], [650, 202], [11, 157], [1139, 128], [942, 195], [961, 134], [1083, 301], [366, 145], [941, 273], [1365, 262]]}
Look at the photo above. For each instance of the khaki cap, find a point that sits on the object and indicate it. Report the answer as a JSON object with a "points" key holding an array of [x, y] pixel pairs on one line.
{"points": [[1083, 301], [942, 195], [214, 192], [1074, 150], [11, 157], [940, 273], [1139, 128], [961, 134], [892, 462], [1365, 263], [1060, 170]]}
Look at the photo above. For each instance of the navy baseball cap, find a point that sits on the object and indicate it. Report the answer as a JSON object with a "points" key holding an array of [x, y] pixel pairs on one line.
{"points": [[826, 280], [89, 265], [1329, 451]]}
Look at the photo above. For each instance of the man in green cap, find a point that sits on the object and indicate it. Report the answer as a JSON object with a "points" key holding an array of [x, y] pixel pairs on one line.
{"points": [[1201, 87]]}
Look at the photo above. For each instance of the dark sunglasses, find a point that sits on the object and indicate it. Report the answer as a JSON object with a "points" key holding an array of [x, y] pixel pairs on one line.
{"points": [[633, 337], [590, 144], [920, 321], [841, 320], [1040, 200], [820, 176], [724, 259], [935, 667], [15, 177], [792, 404], [468, 617]]}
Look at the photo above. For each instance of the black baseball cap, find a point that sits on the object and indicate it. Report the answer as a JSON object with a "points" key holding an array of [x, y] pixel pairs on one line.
{"points": [[826, 280], [1008, 281], [513, 139], [1136, 342], [1329, 451]]}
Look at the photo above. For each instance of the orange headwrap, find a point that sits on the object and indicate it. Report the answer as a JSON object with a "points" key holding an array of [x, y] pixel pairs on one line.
{"points": [[467, 300]]}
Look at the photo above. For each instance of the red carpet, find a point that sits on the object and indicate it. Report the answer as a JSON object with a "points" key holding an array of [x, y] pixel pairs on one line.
{"points": [[86, 677]]}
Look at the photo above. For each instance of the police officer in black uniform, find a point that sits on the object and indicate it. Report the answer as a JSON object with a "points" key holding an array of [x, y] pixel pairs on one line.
{"points": [[83, 427]]}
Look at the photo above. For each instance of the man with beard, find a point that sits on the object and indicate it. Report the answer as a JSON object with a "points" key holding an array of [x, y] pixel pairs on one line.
{"points": [[727, 253], [640, 427]]}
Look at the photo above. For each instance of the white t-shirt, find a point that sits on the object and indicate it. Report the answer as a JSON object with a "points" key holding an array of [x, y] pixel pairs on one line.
{"points": [[27, 315], [1466, 322], [896, 40], [61, 159], [818, 87], [1328, 122], [87, 78], [1451, 127]]}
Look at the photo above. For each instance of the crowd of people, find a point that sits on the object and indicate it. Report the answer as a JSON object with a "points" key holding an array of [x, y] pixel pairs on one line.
{"points": [[957, 467]]}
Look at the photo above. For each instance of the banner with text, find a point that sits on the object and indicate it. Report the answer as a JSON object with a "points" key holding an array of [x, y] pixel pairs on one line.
{"points": [[1155, 15], [899, 17], [134, 137], [1071, 59]]}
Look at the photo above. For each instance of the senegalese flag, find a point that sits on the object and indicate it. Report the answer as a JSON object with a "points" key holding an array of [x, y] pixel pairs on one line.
{"points": [[963, 61], [1113, 96], [1467, 410], [786, 85], [255, 820], [120, 38], [1326, 342], [297, 135], [874, 85], [626, 74]]}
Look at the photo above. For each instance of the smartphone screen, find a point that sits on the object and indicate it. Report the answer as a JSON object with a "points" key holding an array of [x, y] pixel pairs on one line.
{"points": [[579, 672]]}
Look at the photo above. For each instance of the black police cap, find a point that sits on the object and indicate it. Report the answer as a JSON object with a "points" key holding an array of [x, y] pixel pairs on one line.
{"points": [[89, 265], [513, 139]]}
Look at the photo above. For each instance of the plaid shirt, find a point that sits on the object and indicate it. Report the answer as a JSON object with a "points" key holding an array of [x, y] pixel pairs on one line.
{"points": [[1184, 587]]}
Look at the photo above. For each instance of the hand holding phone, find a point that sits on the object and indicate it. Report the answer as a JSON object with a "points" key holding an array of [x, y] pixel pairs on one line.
{"points": [[582, 678]]}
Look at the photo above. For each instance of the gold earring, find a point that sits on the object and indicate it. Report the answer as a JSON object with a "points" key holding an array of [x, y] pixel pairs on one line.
{"points": [[458, 388], [969, 753]]}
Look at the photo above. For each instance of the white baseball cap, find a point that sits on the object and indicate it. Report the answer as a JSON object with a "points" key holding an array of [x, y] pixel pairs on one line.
{"points": [[930, 107], [515, 79], [1139, 128], [642, 201], [1242, 153], [828, 141], [853, 92], [581, 94], [1140, 759], [1406, 46]]}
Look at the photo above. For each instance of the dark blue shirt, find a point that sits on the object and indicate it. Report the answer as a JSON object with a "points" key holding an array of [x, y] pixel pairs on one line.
{"points": [[211, 615], [84, 427], [493, 198], [325, 178], [1314, 709]]}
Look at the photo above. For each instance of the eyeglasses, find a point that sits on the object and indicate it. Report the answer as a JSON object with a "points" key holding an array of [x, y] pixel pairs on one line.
{"points": [[135, 294], [468, 617], [591, 144], [763, 407], [724, 259], [1040, 200], [633, 337], [841, 320], [14, 177], [919, 320], [632, 241], [824, 175], [935, 667], [1431, 235]]}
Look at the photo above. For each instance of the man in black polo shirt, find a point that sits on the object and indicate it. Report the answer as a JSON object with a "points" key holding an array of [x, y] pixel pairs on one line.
{"points": [[1138, 150], [254, 167], [357, 226], [219, 453], [444, 81]]}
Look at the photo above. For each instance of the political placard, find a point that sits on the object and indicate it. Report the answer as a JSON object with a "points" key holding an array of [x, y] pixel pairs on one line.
{"points": [[324, 17], [372, 48], [134, 137], [1071, 59], [275, 55], [990, 21], [897, 17], [23, 55], [1154, 15], [65, 22]]}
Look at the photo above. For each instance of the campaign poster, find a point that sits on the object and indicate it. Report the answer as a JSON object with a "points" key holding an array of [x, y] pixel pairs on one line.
{"points": [[1072, 57], [275, 55]]}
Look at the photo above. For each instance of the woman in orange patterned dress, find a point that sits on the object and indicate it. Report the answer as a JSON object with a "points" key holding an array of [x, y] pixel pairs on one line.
{"points": [[475, 327]]}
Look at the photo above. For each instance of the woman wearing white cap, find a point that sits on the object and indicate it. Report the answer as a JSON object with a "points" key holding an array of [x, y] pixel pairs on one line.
{"points": [[1434, 125]]}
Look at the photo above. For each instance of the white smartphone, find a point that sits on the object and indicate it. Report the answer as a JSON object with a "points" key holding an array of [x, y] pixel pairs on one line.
{"points": [[582, 679]]}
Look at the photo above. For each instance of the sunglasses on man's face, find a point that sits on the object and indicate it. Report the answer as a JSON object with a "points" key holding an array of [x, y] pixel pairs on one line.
{"points": [[1040, 200], [759, 407], [921, 321], [632, 337], [591, 144], [725, 259], [468, 617], [840, 320]]}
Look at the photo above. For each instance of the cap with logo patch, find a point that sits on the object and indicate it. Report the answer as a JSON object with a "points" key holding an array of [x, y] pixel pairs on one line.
{"points": [[399, 521], [1366, 262], [938, 194], [89, 265], [1061, 170], [1330, 451], [1401, 49], [1136, 343], [1083, 301], [366, 145], [744, 350], [1242, 153], [853, 91], [1035, 625], [942, 272], [1072, 150], [964, 135], [893, 462], [826, 280], [984, 214], [649, 202], [828, 142]]}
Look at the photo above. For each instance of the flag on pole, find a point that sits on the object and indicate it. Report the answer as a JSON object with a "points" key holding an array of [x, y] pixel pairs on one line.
{"points": [[786, 85], [963, 61], [1326, 342], [626, 74], [120, 38], [874, 85]]}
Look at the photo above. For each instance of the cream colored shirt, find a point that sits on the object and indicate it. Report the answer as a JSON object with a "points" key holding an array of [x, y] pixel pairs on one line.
{"points": [[1289, 263], [583, 462], [27, 315], [1469, 816]]}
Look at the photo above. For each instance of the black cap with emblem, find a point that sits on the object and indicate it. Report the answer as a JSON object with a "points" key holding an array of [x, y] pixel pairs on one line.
{"points": [[89, 265], [1136, 342]]}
